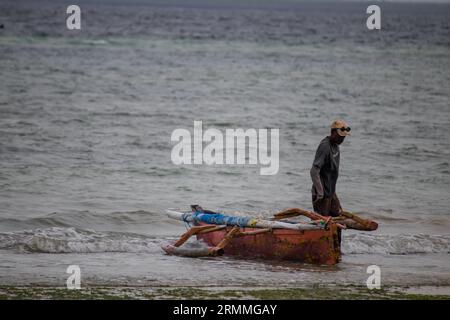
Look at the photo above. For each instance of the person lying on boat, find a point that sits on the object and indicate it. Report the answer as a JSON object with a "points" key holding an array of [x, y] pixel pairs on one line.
{"points": [[325, 171]]}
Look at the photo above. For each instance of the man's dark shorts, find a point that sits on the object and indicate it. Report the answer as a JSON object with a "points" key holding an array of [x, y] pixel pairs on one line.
{"points": [[327, 206]]}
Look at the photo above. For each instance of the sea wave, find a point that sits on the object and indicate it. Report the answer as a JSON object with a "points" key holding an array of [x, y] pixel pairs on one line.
{"points": [[113, 221], [402, 244], [74, 240]]}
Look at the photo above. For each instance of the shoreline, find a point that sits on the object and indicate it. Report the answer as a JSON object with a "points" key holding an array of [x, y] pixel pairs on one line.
{"points": [[349, 292]]}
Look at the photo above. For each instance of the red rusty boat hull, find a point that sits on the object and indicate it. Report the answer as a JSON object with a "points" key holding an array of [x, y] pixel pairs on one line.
{"points": [[309, 246]]}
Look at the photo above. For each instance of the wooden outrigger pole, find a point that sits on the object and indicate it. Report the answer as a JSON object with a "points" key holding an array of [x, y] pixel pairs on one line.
{"points": [[210, 251], [345, 220]]}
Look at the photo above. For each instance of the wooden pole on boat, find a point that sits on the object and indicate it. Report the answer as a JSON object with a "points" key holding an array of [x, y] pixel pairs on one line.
{"points": [[192, 231], [368, 225], [358, 223], [175, 248], [294, 212], [226, 240]]}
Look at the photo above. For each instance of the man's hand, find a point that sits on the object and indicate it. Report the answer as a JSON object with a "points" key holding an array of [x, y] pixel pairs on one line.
{"points": [[317, 184], [318, 198]]}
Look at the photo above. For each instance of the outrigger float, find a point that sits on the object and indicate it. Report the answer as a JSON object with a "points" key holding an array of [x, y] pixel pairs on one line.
{"points": [[316, 241]]}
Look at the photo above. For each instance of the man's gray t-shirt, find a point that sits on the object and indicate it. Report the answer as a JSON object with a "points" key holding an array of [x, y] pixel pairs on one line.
{"points": [[327, 161]]}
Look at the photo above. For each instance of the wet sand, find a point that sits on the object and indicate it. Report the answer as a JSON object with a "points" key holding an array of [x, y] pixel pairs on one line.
{"points": [[253, 293]]}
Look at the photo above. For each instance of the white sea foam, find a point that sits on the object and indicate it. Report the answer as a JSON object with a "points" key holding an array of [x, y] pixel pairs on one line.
{"points": [[72, 240], [395, 244]]}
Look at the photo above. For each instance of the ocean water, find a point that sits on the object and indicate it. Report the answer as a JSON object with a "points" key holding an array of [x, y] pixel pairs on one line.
{"points": [[86, 119]]}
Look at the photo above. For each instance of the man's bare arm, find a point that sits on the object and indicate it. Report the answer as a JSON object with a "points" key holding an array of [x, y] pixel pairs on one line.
{"points": [[315, 177]]}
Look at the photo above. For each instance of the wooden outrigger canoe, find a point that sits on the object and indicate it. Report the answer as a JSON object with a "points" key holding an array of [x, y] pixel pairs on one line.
{"points": [[316, 242]]}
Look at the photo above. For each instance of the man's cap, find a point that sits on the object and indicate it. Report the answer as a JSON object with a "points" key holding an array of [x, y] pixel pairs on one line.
{"points": [[342, 127]]}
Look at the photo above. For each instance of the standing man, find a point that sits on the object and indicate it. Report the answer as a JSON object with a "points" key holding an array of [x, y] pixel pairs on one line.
{"points": [[325, 171]]}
